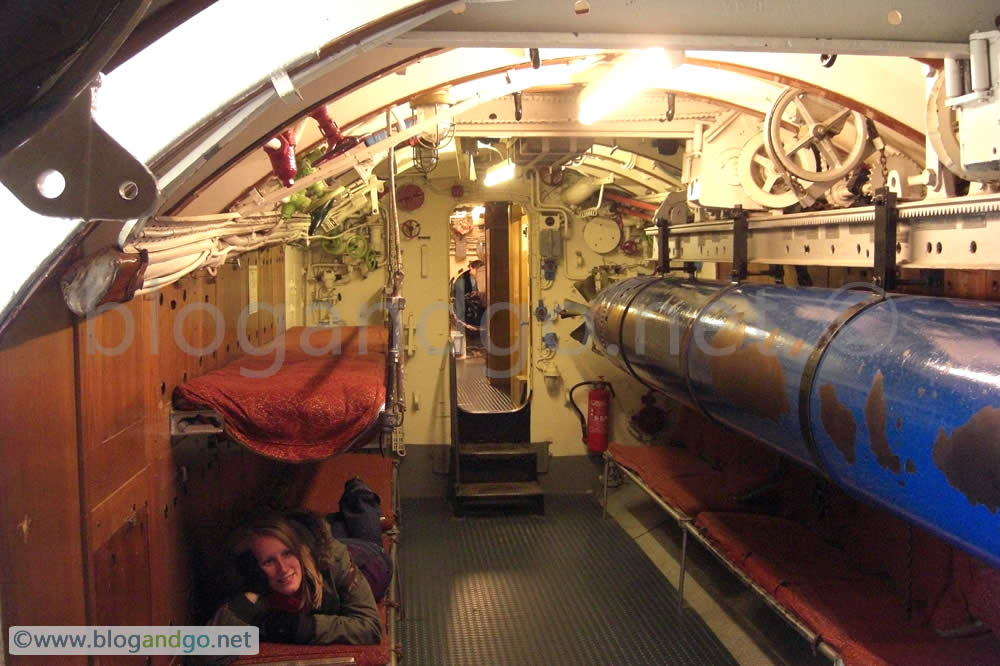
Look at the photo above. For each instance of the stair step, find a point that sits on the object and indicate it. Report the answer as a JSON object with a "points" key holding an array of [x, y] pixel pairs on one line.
{"points": [[499, 490], [489, 467], [498, 449]]}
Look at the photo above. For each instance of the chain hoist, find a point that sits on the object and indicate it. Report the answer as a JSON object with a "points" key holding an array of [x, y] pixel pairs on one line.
{"points": [[879, 144]]}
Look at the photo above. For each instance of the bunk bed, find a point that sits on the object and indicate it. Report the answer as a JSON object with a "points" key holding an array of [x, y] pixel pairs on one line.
{"points": [[317, 392], [862, 585], [318, 487]]}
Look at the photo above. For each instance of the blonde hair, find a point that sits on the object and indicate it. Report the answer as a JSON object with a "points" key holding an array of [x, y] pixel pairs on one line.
{"points": [[283, 530]]}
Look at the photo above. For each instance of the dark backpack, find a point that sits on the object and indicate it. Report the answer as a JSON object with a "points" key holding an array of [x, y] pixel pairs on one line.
{"points": [[360, 515], [358, 525]]}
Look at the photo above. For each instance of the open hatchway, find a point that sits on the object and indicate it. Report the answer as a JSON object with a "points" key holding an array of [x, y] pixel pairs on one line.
{"points": [[494, 462]]}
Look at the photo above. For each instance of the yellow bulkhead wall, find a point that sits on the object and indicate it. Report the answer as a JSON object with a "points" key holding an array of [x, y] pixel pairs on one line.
{"points": [[427, 266]]}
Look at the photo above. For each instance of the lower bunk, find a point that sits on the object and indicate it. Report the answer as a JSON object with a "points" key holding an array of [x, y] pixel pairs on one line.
{"points": [[862, 585], [318, 487]]}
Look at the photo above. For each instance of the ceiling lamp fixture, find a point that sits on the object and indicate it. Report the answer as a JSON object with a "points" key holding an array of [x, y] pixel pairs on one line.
{"points": [[501, 173], [633, 73]]}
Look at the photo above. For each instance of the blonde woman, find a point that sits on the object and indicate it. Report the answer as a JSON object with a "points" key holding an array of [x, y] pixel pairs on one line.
{"points": [[302, 586]]}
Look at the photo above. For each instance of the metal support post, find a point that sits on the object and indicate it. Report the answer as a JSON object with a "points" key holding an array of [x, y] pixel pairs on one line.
{"points": [[886, 221], [663, 245], [680, 578], [740, 252]]}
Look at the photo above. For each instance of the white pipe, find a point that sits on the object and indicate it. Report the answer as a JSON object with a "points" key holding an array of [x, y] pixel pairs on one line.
{"points": [[169, 231], [149, 286], [161, 244], [169, 267], [189, 249], [954, 81], [345, 231], [980, 59]]}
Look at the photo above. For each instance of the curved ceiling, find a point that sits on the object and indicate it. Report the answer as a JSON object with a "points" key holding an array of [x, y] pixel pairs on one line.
{"points": [[711, 82]]}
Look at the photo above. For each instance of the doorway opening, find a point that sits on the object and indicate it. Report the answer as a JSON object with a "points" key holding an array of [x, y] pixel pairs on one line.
{"points": [[490, 293]]}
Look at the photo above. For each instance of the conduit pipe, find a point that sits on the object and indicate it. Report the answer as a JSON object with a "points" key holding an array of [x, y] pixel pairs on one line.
{"points": [[895, 399], [396, 393]]}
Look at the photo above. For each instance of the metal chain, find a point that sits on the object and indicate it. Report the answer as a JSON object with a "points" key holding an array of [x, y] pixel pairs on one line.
{"points": [[879, 144], [882, 164], [793, 183]]}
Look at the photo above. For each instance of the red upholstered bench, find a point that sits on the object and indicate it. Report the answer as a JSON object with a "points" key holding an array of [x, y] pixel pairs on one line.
{"points": [[658, 461], [774, 551], [318, 487], [690, 484], [837, 567]]}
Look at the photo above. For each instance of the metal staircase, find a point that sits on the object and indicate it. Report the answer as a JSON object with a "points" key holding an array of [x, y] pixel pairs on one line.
{"points": [[493, 475]]}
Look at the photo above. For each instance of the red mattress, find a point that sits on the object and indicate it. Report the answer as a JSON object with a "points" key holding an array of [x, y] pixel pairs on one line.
{"points": [[658, 461], [687, 482], [769, 550], [298, 403]]}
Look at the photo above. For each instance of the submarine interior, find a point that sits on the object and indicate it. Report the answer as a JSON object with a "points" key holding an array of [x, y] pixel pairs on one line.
{"points": [[667, 333]]}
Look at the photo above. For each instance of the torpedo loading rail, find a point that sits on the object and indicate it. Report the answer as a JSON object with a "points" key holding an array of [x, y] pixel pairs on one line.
{"points": [[959, 233], [897, 399]]}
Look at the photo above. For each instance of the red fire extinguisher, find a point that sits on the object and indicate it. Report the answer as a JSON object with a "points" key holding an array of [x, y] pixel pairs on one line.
{"points": [[595, 426]]}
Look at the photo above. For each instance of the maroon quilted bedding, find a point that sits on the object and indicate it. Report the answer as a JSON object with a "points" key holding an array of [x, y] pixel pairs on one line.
{"points": [[309, 406]]}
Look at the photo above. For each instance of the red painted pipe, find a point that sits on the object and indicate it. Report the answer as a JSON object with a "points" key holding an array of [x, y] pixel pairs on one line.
{"points": [[634, 203]]}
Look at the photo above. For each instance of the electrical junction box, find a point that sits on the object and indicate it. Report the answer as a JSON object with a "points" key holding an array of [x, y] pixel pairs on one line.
{"points": [[550, 243]]}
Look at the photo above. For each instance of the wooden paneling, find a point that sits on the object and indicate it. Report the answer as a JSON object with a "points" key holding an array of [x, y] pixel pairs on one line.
{"points": [[499, 291], [265, 318], [170, 558], [41, 550], [213, 331], [111, 463], [278, 287], [106, 519], [161, 374], [253, 321], [965, 284], [121, 575], [111, 361], [232, 295], [118, 509], [993, 285]]}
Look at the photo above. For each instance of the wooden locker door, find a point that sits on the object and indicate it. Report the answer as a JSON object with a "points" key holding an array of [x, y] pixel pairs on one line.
{"points": [[41, 549], [519, 318], [121, 578], [498, 343]]}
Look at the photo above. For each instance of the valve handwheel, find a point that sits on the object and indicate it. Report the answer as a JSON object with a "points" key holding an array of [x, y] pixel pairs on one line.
{"points": [[410, 228], [818, 121], [763, 180]]}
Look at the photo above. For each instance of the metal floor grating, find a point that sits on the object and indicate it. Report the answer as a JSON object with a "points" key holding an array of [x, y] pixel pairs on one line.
{"points": [[567, 588], [475, 393]]}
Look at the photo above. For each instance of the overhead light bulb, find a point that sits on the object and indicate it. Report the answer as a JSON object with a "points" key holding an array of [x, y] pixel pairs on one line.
{"points": [[501, 173], [633, 73]]}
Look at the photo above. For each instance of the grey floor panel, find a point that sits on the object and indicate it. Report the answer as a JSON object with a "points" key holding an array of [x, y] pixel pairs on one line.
{"points": [[475, 393], [565, 588]]}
